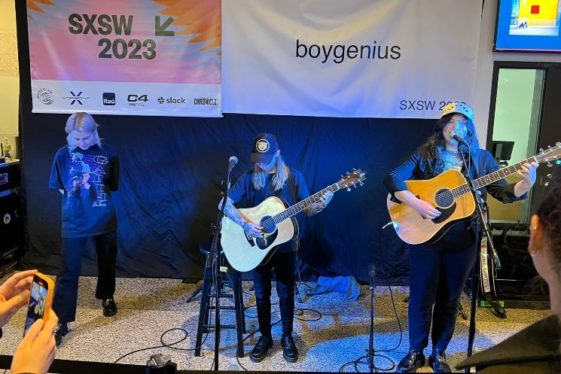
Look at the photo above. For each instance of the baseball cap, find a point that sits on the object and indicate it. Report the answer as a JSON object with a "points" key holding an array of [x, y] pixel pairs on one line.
{"points": [[458, 107], [264, 147]]}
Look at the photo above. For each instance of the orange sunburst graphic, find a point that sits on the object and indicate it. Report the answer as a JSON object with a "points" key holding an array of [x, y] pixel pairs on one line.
{"points": [[38, 5], [200, 18]]}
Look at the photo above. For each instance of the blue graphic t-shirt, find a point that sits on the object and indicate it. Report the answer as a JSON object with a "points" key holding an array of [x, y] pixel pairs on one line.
{"points": [[87, 178]]}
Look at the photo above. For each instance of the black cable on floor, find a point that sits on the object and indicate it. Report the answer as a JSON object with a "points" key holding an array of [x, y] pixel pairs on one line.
{"points": [[163, 344]]}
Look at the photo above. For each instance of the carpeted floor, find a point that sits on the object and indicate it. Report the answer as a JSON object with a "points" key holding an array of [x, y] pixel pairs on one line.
{"points": [[331, 332]]}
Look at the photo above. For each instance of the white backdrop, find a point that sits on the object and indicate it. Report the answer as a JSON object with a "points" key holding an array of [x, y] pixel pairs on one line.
{"points": [[359, 58]]}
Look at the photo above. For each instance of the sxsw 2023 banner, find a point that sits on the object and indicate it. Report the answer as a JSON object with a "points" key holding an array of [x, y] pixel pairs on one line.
{"points": [[133, 57]]}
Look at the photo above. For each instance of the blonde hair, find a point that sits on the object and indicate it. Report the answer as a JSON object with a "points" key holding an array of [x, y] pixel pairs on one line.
{"points": [[279, 178], [81, 121]]}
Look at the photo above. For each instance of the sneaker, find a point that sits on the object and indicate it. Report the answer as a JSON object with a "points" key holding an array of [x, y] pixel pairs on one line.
{"points": [[259, 352], [109, 307], [60, 331]]}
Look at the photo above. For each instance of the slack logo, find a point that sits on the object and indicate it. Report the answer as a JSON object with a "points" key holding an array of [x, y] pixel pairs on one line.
{"points": [[109, 98]]}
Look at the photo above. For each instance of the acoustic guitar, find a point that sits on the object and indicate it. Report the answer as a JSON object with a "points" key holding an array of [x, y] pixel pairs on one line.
{"points": [[245, 252], [450, 193]]}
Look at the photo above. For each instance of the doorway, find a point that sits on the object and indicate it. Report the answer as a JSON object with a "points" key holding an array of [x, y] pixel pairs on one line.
{"points": [[523, 118]]}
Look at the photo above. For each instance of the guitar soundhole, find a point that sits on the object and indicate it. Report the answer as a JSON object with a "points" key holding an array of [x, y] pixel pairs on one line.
{"points": [[268, 224], [444, 198]]}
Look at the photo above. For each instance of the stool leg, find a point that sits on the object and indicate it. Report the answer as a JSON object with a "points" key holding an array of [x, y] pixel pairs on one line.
{"points": [[235, 276], [204, 310]]}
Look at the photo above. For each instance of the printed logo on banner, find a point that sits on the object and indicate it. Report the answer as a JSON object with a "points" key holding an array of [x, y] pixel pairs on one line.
{"points": [[137, 99], [204, 101], [76, 98], [171, 100], [109, 98], [45, 96]]}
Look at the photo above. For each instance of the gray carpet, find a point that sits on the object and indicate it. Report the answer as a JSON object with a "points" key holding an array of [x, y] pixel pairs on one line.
{"points": [[331, 332]]}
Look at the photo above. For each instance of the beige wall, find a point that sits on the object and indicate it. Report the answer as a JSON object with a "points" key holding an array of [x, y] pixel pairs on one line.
{"points": [[9, 73]]}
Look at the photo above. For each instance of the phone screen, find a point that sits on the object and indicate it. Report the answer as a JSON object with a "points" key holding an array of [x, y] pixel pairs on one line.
{"points": [[37, 300]]}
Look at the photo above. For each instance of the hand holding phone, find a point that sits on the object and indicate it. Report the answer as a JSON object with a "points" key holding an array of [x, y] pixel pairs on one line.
{"points": [[40, 300], [14, 293], [36, 352]]}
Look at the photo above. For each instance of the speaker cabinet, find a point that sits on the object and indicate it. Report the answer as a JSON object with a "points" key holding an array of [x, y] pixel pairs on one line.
{"points": [[11, 225], [517, 280]]}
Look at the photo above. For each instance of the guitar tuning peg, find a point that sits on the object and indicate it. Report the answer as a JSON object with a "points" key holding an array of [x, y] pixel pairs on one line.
{"points": [[541, 150], [549, 164], [349, 188], [546, 184]]}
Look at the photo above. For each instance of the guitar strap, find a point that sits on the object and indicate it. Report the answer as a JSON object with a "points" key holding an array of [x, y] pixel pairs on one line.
{"points": [[291, 181]]}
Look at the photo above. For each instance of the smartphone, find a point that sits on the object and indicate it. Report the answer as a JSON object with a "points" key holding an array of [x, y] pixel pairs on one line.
{"points": [[40, 299]]}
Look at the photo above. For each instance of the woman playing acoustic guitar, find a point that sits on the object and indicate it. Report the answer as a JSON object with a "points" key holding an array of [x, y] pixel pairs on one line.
{"points": [[440, 267]]}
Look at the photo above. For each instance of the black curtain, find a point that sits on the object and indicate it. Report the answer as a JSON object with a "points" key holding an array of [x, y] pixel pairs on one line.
{"points": [[171, 173]]}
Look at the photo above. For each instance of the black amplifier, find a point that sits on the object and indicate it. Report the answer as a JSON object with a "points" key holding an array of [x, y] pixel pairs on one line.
{"points": [[10, 177], [10, 222], [517, 279]]}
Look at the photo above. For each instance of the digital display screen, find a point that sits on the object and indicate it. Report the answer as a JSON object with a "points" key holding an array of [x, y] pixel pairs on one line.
{"points": [[528, 25]]}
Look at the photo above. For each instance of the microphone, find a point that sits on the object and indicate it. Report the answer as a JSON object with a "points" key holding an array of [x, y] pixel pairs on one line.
{"points": [[232, 161], [459, 139]]}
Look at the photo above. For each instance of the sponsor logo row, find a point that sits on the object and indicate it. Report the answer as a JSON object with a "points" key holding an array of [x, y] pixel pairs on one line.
{"points": [[78, 98]]}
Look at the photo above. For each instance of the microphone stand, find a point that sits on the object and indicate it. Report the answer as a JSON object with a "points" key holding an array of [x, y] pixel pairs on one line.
{"points": [[371, 353], [215, 254], [481, 222]]}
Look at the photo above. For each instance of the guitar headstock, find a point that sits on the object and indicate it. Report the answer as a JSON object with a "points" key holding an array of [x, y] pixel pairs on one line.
{"points": [[550, 154], [352, 179]]}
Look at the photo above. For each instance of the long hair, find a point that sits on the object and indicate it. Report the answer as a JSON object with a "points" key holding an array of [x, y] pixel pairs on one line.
{"points": [[81, 121], [432, 150], [279, 178]]}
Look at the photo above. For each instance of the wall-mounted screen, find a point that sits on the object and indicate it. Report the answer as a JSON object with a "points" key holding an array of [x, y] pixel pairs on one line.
{"points": [[528, 25]]}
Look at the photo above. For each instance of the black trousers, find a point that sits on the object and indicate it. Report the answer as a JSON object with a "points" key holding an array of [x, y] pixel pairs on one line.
{"points": [[438, 275], [283, 264], [66, 289]]}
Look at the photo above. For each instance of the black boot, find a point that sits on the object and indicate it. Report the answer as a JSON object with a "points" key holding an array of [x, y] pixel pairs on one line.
{"points": [[259, 352], [60, 331], [289, 350], [411, 362], [437, 361], [109, 307]]}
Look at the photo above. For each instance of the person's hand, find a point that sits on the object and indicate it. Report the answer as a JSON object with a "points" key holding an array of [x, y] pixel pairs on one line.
{"points": [[326, 198], [14, 294], [425, 209], [36, 352], [252, 229], [528, 173]]}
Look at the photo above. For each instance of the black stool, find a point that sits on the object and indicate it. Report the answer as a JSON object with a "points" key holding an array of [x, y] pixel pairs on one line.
{"points": [[209, 293]]}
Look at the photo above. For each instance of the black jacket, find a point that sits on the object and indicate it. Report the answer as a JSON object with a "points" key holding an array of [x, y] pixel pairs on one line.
{"points": [[532, 350]]}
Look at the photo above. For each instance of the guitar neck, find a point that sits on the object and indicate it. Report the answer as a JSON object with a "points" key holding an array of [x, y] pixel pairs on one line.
{"points": [[300, 206], [494, 176]]}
